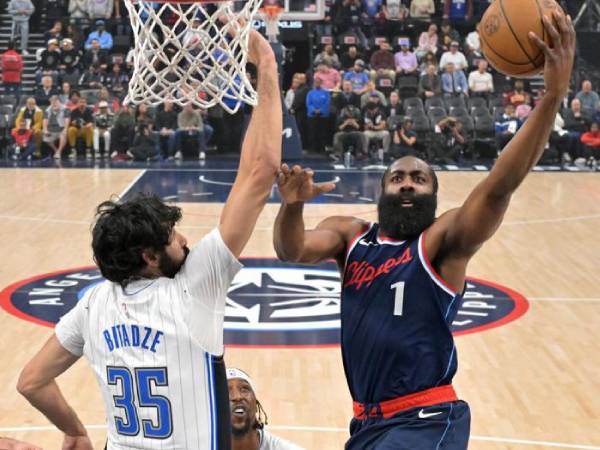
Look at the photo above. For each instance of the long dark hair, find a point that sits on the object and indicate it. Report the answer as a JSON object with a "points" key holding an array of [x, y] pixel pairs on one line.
{"points": [[123, 231]]}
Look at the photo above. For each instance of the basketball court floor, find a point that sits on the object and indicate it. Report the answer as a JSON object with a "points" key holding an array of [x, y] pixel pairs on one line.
{"points": [[528, 332]]}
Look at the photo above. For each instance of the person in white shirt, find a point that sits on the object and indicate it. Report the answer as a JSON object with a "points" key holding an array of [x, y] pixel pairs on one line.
{"points": [[455, 57], [480, 81], [153, 331], [248, 418]]}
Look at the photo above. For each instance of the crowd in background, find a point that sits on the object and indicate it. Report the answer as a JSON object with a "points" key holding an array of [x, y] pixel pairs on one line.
{"points": [[388, 78]]}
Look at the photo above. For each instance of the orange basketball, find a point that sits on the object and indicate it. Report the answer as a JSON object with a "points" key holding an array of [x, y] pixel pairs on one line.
{"points": [[503, 33]]}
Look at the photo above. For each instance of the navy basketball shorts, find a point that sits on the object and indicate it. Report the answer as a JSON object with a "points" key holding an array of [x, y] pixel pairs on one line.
{"points": [[444, 426]]}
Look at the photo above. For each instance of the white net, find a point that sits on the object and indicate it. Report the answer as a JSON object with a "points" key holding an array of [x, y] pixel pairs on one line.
{"points": [[191, 51]]}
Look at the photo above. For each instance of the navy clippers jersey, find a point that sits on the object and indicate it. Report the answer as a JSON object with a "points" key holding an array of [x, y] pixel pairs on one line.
{"points": [[396, 316]]}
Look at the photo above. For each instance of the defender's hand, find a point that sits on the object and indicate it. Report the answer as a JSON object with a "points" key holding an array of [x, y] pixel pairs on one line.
{"points": [[77, 443], [559, 58], [297, 185]]}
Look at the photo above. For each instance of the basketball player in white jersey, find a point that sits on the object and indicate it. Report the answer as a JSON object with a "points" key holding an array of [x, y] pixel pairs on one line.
{"points": [[153, 334], [248, 417]]}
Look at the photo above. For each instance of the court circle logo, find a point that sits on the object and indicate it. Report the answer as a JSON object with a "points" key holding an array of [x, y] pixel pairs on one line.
{"points": [[269, 304]]}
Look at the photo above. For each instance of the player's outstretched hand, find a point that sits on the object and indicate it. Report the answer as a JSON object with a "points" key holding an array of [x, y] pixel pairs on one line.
{"points": [[77, 443], [297, 185], [11, 444], [559, 57]]}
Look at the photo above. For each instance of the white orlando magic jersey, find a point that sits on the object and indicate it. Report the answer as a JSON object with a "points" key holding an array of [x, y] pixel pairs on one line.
{"points": [[153, 349]]}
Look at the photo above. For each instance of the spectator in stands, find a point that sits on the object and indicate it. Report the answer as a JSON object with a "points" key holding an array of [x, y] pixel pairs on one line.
{"points": [[428, 60], [56, 32], [591, 142], [430, 84], [298, 109], [375, 123], [191, 126], [481, 83], [317, 106], [404, 140], [81, 126], [454, 56], [12, 68], [248, 417], [452, 140], [507, 126], [103, 122], [45, 91], [454, 82], [78, 10], [291, 92], [328, 56], [49, 61], [75, 33], [518, 96], [69, 59], [350, 16], [20, 11], [345, 97], [373, 12], [405, 61], [95, 55], [145, 144], [473, 43], [577, 122], [428, 42], [143, 116], [588, 98], [24, 142], [348, 135], [394, 11], [100, 9], [372, 90], [458, 10], [382, 62], [394, 107], [117, 81], [166, 126], [122, 132], [350, 57], [330, 78], [114, 103], [92, 78], [103, 37], [422, 9], [448, 35], [358, 77], [73, 102], [34, 118], [55, 124]]}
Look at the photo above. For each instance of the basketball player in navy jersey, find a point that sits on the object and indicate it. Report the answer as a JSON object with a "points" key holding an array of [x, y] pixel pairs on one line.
{"points": [[403, 278]]}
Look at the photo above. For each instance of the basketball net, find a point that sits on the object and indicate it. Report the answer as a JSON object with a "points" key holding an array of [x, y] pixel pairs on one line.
{"points": [[191, 51], [271, 17]]}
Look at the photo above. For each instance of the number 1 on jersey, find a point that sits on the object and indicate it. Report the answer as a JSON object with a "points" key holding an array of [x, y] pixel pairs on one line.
{"points": [[399, 297]]}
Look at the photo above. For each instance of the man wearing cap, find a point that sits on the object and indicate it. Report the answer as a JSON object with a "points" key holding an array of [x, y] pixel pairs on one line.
{"points": [[101, 35], [69, 58], [248, 417], [455, 57], [49, 60], [358, 76]]}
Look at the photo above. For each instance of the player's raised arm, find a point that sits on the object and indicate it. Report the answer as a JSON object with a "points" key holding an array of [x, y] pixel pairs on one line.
{"points": [[461, 232], [291, 241], [261, 152]]}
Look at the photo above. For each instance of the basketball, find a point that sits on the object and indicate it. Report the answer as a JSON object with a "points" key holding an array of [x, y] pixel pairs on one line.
{"points": [[504, 37]]}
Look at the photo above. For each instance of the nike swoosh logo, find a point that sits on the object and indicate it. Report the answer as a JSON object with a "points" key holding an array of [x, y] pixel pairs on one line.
{"points": [[424, 415], [363, 242]]}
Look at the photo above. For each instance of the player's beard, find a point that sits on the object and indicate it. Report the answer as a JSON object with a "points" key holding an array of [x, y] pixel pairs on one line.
{"points": [[401, 222], [242, 429], [168, 266]]}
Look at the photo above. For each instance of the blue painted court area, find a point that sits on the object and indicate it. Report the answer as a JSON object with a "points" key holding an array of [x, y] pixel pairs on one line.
{"points": [[213, 185]]}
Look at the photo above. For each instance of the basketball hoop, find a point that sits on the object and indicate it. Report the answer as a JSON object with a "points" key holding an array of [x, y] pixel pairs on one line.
{"points": [[271, 16], [191, 51]]}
